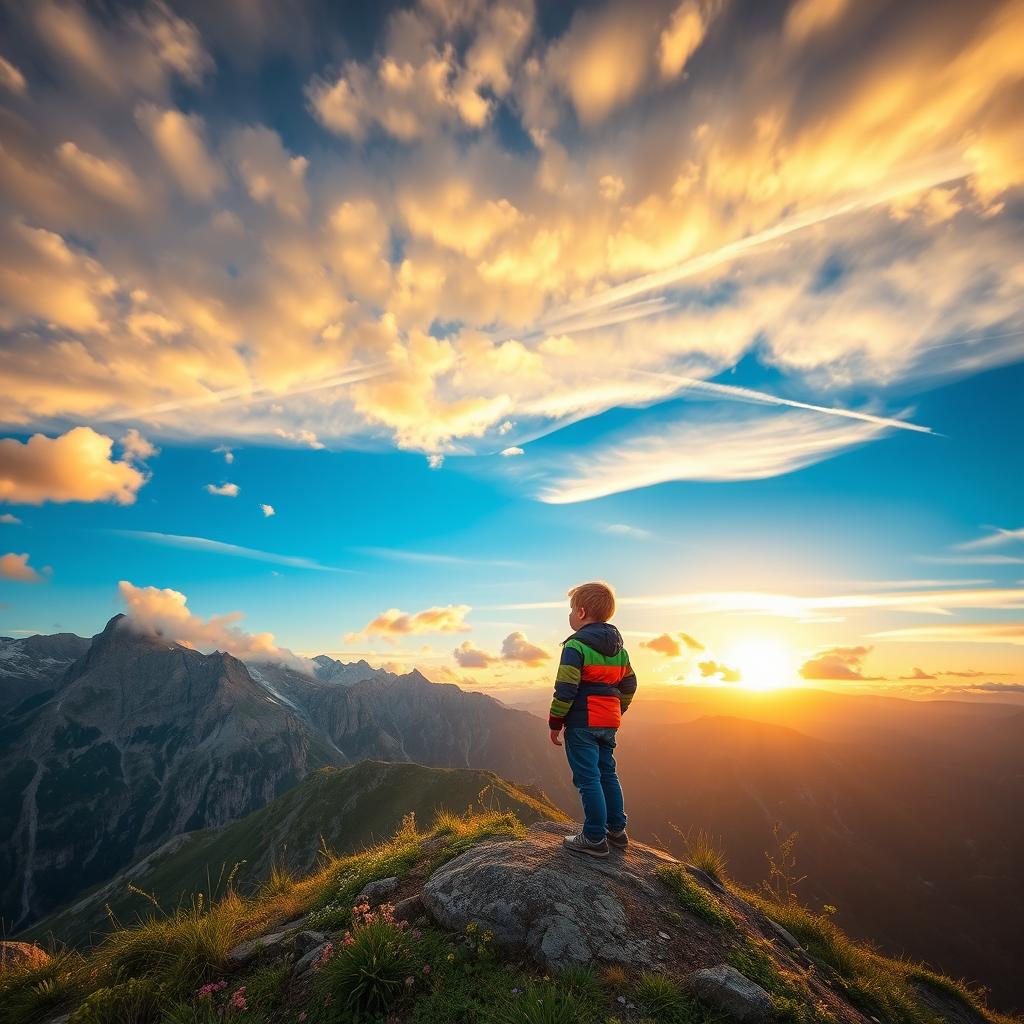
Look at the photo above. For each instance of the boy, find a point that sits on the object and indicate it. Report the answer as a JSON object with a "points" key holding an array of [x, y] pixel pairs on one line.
{"points": [[593, 688]]}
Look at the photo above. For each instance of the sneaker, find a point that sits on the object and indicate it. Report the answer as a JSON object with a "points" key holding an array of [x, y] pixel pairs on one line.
{"points": [[619, 839], [581, 844]]}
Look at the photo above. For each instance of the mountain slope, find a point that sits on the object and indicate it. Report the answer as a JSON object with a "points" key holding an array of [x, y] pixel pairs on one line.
{"points": [[342, 809], [31, 667], [142, 740]]}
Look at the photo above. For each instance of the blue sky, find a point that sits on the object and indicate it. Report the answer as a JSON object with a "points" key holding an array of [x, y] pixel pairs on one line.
{"points": [[486, 300]]}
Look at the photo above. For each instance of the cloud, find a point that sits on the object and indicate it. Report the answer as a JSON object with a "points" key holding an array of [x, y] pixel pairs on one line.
{"points": [[421, 81], [136, 448], [179, 139], [468, 655], [997, 687], [511, 451], [271, 175], [681, 37], [303, 437], [227, 490], [76, 466], [9, 519], [919, 674], [220, 547], [715, 668], [808, 17], [435, 461], [964, 632], [734, 448], [670, 646], [997, 538], [837, 663], [16, 567], [625, 530], [165, 612], [228, 453], [11, 78], [268, 511], [107, 178], [515, 647], [394, 623], [433, 557]]}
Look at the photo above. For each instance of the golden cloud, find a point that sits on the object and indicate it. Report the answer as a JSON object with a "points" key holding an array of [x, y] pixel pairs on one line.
{"points": [[394, 623], [76, 466], [16, 567]]}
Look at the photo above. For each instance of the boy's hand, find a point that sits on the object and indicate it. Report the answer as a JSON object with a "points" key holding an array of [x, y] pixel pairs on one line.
{"points": [[556, 737]]}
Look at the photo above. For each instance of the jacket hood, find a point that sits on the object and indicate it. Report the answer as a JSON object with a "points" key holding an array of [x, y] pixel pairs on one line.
{"points": [[603, 637]]}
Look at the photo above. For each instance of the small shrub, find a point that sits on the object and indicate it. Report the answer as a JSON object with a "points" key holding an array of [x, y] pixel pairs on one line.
{"points": [[368, 974], [265, 988], [692, 897], [614, 976], [782, 872], [136, 1001], [704, 852]]}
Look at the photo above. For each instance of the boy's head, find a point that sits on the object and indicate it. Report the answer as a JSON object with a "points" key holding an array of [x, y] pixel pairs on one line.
{"points": [[590, 602]]}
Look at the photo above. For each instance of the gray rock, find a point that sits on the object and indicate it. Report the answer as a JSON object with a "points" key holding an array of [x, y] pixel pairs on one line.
{"points": [[378, 891], [410, 908], [291, 926], [309, 938], [725, 989], [246, 951], [562, 909], [306, 962], [786, 936]]}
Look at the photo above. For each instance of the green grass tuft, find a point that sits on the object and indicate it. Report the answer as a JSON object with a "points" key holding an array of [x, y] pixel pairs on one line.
{"points": [[666, 1002], [693, 897]]}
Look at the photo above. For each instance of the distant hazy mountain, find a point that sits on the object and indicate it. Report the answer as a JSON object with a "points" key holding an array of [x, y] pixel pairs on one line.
{"points": [[344, 808], [346, 673], [30, 667], [141, 739]]}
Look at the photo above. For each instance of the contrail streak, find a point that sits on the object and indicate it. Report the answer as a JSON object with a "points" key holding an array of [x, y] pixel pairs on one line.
{"points": [[257, 394], [733, 250], [765, 398]]}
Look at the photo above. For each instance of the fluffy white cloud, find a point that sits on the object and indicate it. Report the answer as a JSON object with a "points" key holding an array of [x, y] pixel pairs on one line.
{"points": [[166, 612], [16, 567], [468, 655], [268, 511], [76, 466], [515, 647], [226, 490]]}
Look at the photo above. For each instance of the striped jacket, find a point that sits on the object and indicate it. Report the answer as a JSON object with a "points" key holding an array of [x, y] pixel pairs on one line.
{"points": [[595, 681]]}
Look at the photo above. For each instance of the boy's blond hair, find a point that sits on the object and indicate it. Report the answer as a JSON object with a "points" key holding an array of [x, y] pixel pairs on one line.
{"points": [[597, 598]]}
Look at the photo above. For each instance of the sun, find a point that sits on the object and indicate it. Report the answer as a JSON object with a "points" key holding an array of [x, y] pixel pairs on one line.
{"points": [[764, 663]]}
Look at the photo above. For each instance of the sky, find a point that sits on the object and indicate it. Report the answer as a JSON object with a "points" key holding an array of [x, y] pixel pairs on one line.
{"points": [[371, 329]]}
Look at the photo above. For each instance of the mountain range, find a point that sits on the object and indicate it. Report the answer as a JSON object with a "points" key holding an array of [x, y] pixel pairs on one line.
{"points": [[130, 753]]}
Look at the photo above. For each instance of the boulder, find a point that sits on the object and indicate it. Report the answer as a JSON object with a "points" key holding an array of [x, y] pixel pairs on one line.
{"points": [[306, 962], [376, 892], [724, 989], [21, 956], [410, 908], [246, 951], [562, 908]]}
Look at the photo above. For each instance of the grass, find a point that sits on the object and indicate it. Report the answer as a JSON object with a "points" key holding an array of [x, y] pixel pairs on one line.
{"points": [[703, 851], [876, 984], [692, 897], [149, 973], [665, 1001]]}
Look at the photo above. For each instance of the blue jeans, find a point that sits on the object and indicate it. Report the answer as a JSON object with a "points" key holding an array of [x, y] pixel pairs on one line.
{"points": [[589, 751]]}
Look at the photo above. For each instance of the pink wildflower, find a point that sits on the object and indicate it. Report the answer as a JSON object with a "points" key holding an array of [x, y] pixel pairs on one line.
{"points": [[410, 981], [302, 1015], [347, 940], [416, 933], [426, 968], [238, 999]]}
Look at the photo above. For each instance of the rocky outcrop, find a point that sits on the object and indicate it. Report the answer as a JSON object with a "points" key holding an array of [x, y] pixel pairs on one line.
{"points": [[21, 956], [563, 909]]}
